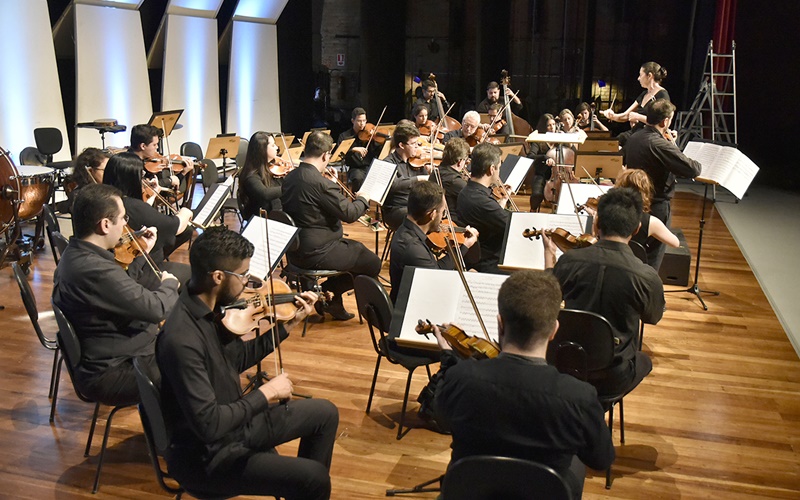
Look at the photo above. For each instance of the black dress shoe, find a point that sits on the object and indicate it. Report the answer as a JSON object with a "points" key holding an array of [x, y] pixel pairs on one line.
{"points": [[338, 312]]}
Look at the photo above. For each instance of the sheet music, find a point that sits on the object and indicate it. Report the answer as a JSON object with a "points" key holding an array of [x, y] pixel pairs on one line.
{"points": [[520, 252], [725, 165], [558, 137], [212, 202], [518, 173], [379, 180], [280, 235], [438, 295], [580, 192]]}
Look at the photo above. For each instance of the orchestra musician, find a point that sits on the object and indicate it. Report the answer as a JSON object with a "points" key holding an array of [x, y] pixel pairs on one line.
{"points": [[358, 158], [222, 442], [539, 414], [662, 159], [144, 144], [469, 125], [608, 279], [115, 318], [426, 206], [493, 97], [125, 171], [651, 74], [258, 188], [419, 113], [478, 208], [427, 99], [492, 112], [406, 145], [542, 164], [88, 168], [585, 117], [454, 173], [318, 208], [566, 121]]}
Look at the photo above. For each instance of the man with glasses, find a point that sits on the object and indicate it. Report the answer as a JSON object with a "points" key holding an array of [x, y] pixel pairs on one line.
{"points": [[406, 146], [223, 441], [318, 208], [115, 318]]}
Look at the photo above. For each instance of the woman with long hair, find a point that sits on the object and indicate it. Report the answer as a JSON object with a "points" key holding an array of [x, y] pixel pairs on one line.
{"points": [[541, 162], [651, 74], [258, 188]]}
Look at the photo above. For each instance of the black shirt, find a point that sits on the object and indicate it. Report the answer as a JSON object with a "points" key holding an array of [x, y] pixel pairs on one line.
{"points": [[484, 105], [318, 208], [351, 158], [115, 318], [401, 186], [518, 406], [607, 278], [141, 214], [478, 208], [433, 109], [453, 183], [204, 408], [255, 195], [661, 159], [451, 134]]}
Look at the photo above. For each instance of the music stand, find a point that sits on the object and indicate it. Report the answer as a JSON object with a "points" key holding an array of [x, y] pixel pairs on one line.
{"points": [[342, 149], [220, 147], [695, 288], [165, 120]]}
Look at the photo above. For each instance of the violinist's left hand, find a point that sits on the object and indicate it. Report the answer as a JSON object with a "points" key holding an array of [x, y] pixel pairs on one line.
{"points": [[305, 303], [441, 341], [550, 249]]}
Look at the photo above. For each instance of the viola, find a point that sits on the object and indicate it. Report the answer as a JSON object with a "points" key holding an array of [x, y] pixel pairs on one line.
{"points": [[437, 240], [280, 167], [467, 346], [426, 128], [563, 239], [255, 304], [370, 131], [129, 247]]}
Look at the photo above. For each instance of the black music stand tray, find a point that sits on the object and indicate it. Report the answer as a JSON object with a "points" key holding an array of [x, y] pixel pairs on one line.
{"points": [[695, 288]]}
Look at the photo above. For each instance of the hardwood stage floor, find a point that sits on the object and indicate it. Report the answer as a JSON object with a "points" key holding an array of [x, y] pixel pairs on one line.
{"points": [[719, 417]]}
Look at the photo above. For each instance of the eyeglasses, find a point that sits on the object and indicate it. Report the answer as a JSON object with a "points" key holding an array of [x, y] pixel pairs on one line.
{"points": [[244, 277], [126, 218]]}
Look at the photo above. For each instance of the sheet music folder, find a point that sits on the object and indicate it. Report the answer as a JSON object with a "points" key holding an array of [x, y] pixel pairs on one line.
{"points": [[439, 296], [514, 169], [212, 202], [723, 165], [379, 180], [280, 237]]}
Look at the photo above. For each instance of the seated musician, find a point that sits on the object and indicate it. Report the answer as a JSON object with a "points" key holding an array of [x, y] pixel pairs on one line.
{"points": [[425, 209], [493, 110], [587, 120], [88, 168], [124, 171], [538, 414], [358, 158], [419, 113], [469, 125], [318, 208], [607, 278], [542, 164], [406, 146], [144, 144], [566, 122], [258, 188], [115, 318], [479, 209], [454, 173], [223, 441], [493, 97], [428, 99]]}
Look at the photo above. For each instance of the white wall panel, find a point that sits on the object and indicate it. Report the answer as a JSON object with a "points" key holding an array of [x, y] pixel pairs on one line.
{"points": [[111, 72], [191, 79], [253, 102], [30, 94]]}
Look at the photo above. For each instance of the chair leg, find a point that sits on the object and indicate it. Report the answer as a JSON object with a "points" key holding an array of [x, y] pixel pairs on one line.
{"points": [[53, 373], [428, 369], [91, 430], [103, 448], [611, 421], [55, 389], [608, 478], [621, 423], [405, 404], [387, 245], [374, 379], [641, 334]]}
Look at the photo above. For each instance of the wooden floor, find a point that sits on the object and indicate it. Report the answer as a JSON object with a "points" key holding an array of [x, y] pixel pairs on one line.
{"points": [[719, 417]]}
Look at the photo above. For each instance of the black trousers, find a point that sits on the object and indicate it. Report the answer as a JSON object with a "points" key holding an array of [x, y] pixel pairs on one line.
{"points": [[661, 210], [264, 472], [356, 176], [622, 378], [344, 255], [117, 385]]}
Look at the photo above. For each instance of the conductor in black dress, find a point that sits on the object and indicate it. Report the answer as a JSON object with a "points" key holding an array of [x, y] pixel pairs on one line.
{"points": [[318, 208]]}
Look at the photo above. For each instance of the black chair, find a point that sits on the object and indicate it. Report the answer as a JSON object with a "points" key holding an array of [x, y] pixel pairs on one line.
{"points": [[51, 225], [374, 305], [60, 242], [486, 477], [295, 273], [641, 254], [29, 301], [192, 149], [49, 141], [31, 156], [583, 344], [210, 173], [71, 354]]}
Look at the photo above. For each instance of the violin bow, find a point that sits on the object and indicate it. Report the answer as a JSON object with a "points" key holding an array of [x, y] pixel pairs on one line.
{"points": [[276, 341], [375, 131], [286, 148], [593, 181], [170, 207], [455, 250], [498, 115], [460, 268]]}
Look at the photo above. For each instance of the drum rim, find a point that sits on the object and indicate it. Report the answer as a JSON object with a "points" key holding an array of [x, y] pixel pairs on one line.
{"points": [[5, 225]]}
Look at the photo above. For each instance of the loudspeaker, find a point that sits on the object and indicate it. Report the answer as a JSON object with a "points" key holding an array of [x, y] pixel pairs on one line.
{"points": [[674, 268]]}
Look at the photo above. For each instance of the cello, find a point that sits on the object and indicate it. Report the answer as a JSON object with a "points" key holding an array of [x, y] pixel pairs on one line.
{"points": [[446, 123]]}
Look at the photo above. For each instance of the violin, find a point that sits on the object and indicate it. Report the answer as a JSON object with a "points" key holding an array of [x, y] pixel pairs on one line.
{"points": [[156, 164], [280, 167], [426, 128], [467, 346], [563, 239], [423, 160], [255, 304], [370, 131], [480, 136], [590, 204], [129, 247], [437, 240], [500, 192]]}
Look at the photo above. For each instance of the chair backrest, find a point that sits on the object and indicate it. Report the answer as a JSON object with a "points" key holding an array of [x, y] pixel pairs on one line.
{"points": [[31, 156], [61, 242], [50, 218], [281, 216], [638, 250], [68, 341], [375, 306], [150, 410], [29, 301], [192, 149], [48, 141], [590, 331], [486, 477], [242, 153], [210, 173]]}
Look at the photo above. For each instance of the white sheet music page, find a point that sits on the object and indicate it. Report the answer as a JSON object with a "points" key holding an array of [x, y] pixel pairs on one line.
{"points": [[379, 179], [280, 235], [725, 165], [484, 289], [523, 253], [558, 137], [517, 175], [217, 198], [577, 194]]}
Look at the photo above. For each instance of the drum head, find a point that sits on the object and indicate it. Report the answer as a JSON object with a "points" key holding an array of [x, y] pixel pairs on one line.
{"points": [[9, 189]]}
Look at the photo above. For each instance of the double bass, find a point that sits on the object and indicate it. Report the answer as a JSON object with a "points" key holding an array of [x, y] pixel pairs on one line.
{"points": [[516, 126], [446, 123]]}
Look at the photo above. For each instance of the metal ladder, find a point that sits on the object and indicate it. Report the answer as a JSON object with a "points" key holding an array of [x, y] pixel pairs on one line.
{"points": [[713, 112]]}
